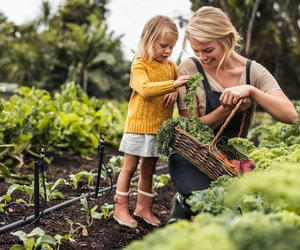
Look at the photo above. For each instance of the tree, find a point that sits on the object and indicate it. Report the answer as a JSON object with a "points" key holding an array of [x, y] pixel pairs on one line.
{"points": [[85, 50], [19, 53], [73, 44]]}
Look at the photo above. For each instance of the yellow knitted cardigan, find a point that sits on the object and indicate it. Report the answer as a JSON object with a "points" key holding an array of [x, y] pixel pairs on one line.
{"points": [[150, 81]]}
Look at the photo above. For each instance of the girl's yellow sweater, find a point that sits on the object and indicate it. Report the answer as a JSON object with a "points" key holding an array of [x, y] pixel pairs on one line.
{"points": [[150, 81]]}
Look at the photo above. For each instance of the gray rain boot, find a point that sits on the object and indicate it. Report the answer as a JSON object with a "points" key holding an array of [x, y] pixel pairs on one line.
{"points": [[179, 209]]}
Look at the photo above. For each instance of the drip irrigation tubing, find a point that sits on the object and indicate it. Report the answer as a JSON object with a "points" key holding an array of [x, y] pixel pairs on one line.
{"points": [[31, 218]]}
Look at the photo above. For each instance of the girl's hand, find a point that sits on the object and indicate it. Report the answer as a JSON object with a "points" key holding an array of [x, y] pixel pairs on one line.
{"points": [[170, 99], [181, 80], [230, 96]]}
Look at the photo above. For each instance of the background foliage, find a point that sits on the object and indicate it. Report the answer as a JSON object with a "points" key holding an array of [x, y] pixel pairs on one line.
{"points": [[75, 44], [69, 121], [271, 33]]}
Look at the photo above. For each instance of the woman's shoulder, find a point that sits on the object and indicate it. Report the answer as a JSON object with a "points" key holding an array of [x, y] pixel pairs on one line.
{"points": [[187, 67], [262, 78], [258, 71], [256, 66], [186, 62]]}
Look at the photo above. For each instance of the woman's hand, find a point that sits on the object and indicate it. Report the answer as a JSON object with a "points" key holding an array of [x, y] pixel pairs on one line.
{"points": [[246, 103], [230, 97], [170, 99]]}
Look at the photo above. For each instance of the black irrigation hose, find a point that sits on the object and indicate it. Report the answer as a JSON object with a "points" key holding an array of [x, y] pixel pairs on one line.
{"points": [[31, 218], [6, 214]]}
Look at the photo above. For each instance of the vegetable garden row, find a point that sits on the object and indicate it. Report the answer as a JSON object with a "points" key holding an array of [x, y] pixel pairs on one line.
{"points": [[256, 210]]}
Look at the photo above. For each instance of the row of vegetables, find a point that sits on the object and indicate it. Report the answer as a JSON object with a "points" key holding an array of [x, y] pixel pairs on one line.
{"points": [[259, 209], [67, 121]]}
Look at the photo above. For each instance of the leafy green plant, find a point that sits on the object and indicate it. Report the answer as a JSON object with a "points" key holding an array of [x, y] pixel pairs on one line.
{"points": [[228, 231], [5, 171], [279, 197], [242, 145], [83, 175], [7, 196], [72, 231], [159, 181], [208, 201], [114, 166], [278, 134], [90, 214], [107, 210], [265, 158], [68, 121], [36, 239], [51, 192], [51, 189]]}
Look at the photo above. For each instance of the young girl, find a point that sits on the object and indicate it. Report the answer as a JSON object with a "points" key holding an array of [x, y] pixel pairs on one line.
{"points": [[154, 85]]}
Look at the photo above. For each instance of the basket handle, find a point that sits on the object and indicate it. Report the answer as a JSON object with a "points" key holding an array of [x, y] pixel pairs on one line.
{"points": [[227, 121]]}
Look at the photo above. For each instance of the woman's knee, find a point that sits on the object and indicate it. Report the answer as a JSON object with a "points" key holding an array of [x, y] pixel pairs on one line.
{"points": [[176, 163], [173, 160], [185, 176]]}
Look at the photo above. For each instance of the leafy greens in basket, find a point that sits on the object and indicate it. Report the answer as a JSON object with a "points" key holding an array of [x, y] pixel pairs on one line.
{"points": [[191, 125]]}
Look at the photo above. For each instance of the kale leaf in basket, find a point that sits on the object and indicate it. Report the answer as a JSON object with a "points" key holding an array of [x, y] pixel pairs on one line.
{"points": [[193, 126], [194, 81]]}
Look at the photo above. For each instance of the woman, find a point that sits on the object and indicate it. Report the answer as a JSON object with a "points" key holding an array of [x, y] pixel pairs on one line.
{"points": [[228, 77]]}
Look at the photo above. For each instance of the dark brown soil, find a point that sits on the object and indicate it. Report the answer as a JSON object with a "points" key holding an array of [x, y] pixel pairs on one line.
{"points": [[102, 234]]}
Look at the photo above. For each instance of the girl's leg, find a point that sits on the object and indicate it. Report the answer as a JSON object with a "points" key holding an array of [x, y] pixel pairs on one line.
{"points": [[122, 214], [147, 169], [146, 197], [127, 172]]}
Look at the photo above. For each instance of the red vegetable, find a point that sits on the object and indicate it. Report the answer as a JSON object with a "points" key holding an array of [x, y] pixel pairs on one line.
{"points": [[243, 166]]}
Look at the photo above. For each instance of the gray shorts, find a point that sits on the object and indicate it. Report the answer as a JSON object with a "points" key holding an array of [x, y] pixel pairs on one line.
{"points": [[139, 144]]}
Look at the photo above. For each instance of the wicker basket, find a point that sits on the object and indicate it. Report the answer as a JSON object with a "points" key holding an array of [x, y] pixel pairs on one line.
{"points": [[205, 156]]}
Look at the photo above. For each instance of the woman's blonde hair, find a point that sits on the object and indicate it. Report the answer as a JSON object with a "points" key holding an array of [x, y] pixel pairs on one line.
{"points": [[153, 32], [209, 23]]}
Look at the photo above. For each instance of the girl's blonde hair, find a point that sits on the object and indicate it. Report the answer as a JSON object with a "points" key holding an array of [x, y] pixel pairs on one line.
{"points": [[209, 23], [153, 32]]}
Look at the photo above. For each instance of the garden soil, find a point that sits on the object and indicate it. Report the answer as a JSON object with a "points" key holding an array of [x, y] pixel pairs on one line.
{"points": [[101, 234]]}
